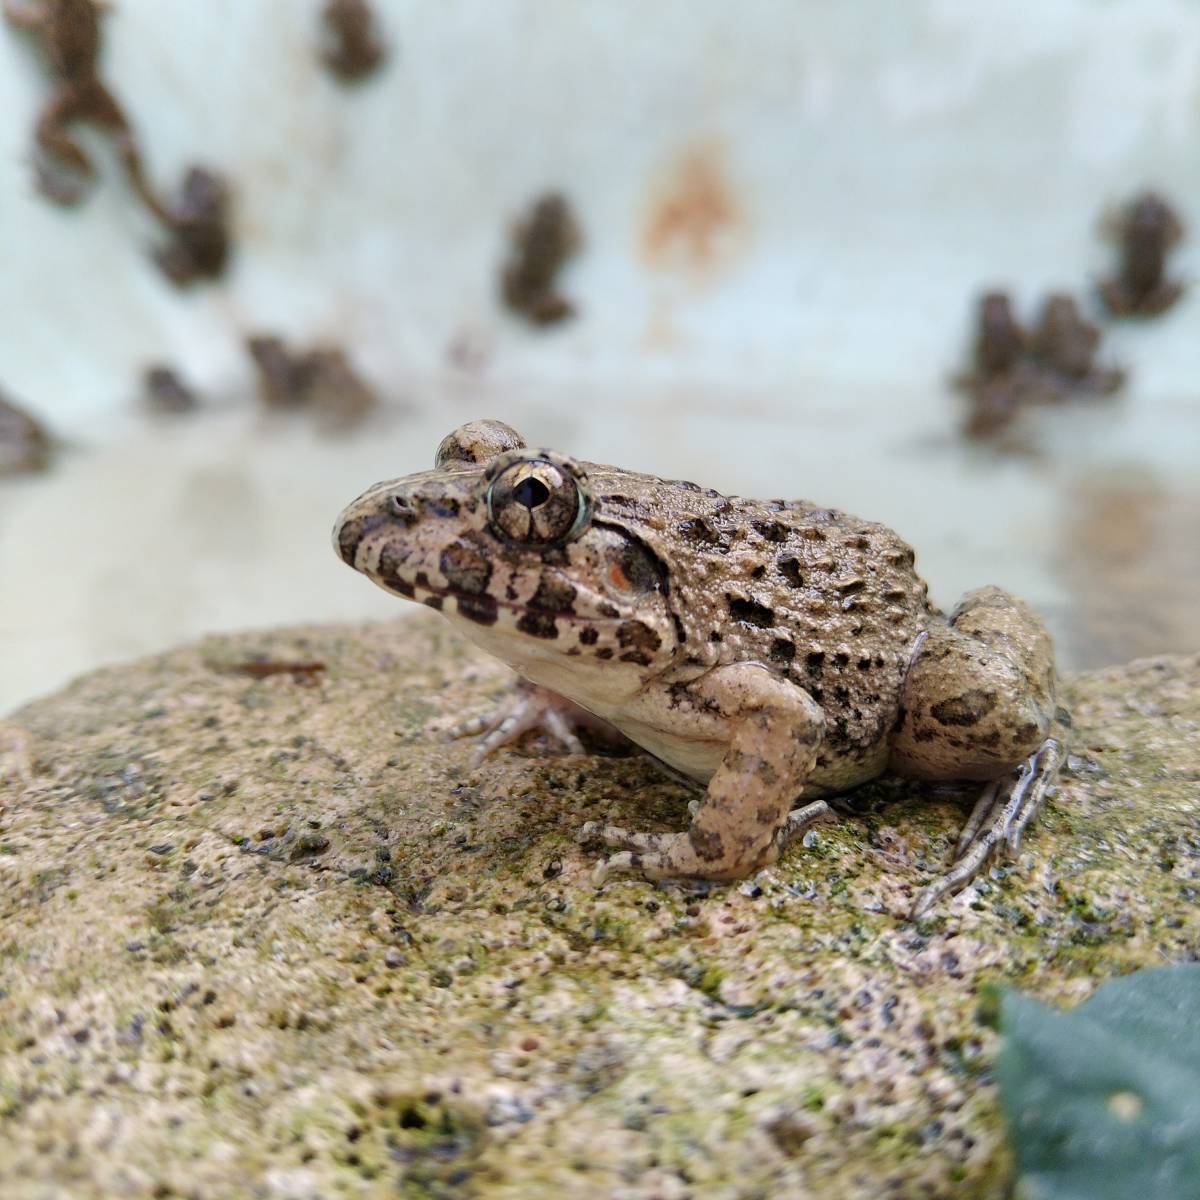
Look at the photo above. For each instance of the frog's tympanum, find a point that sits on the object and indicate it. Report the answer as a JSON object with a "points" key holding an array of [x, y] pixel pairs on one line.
{"points": [[775, 651]]}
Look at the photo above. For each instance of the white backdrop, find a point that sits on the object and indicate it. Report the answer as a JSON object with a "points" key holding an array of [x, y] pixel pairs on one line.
{"points": [[870, 168]]}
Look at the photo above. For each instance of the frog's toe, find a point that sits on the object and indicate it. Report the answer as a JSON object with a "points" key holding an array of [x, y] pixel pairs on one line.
{"points": [[998, 819], [651, 864], [528, 710], [800, 821], [627, 839]]}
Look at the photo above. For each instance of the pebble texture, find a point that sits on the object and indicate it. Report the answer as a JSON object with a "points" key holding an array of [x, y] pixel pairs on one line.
{"points": [[274, 937]]}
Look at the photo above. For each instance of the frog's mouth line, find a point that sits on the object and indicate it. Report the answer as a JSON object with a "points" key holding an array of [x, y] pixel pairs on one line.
{"points": [[484, 609]]}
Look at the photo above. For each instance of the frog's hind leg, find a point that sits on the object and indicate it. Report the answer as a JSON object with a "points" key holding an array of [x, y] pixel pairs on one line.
{"points": [[979, 703]]}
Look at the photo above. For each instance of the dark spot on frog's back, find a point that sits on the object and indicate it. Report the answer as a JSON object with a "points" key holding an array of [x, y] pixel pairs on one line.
{"points": [[699, 531], [789, 568], [750, 612], [773, 531], [782, 650], [589, 636], [968, 709], [465, 569]]}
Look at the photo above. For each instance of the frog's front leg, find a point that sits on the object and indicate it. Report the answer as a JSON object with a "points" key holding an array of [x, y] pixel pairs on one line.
{"points": [[774, 729], [979, 703]]}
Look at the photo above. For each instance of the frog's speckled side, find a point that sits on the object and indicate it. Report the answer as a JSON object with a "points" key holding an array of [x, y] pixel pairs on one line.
{"points": [[771, 649]]}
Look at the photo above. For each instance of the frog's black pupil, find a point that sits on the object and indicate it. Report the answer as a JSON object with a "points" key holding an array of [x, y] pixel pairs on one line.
{"points": [[531, 492]]}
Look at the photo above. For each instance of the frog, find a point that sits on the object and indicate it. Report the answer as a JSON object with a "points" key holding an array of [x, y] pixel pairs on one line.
{"points": [[1147, 227], [542, 242], [775, 653], [69, 31], [197, 223], [1065, 345], [352, 48]]}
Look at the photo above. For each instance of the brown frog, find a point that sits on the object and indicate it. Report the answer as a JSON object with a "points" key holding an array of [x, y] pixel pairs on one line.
{"points": [[1147, 229], [198, 225], [24, 443], [352, 48], [542, 242], [773, 650], [69, 31], [1065, 345], [197, 221]]}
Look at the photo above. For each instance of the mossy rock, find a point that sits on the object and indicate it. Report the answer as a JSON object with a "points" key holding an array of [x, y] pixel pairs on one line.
{"points": [[272, 935]]}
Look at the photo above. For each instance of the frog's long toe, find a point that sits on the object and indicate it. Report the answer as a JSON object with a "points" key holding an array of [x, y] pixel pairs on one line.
{"points": [[626, 839], [529, 709], [997, 821], [800, 821], [643, 855]]}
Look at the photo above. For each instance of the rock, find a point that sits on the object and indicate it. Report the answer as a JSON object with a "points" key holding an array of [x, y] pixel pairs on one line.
{"points": [[275, 936]]}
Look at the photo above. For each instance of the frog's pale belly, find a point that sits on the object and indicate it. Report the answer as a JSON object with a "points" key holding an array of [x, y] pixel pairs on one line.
{"points": [[693, 743]]}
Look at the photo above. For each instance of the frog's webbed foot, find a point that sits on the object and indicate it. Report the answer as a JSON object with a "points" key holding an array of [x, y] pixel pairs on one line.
{"points": [[999, 818], [532, 709]]}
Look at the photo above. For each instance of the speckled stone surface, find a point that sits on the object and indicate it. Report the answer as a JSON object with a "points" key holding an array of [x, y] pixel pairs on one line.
{"points": [[275, 937]]}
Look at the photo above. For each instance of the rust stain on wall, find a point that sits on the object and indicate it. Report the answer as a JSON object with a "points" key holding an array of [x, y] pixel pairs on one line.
{"points": [[694, 221]]}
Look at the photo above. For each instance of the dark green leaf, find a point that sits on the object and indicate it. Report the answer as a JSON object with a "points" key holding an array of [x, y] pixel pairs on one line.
{"points": [[1103, 1102]]}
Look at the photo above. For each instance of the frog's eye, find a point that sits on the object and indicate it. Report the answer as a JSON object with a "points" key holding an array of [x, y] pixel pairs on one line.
{"points": [[536, 503]]}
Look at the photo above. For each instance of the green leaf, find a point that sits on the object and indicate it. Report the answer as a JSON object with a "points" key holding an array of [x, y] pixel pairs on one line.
{"points": [[1103, 1102]]}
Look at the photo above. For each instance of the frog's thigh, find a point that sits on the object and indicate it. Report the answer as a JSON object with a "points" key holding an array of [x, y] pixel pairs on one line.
{"points": [[979, 695], [775, 730]]}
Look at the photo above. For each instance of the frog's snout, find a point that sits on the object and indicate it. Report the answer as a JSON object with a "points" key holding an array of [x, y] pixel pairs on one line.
{"points": [[401, 506], [349, 531]]}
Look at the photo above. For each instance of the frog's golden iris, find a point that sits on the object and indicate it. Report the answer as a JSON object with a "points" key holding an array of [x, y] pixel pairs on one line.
{"points": [[534, 501]]}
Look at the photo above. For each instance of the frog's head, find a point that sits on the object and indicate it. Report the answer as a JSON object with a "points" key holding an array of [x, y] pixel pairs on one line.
{"points": [[511, 544]]}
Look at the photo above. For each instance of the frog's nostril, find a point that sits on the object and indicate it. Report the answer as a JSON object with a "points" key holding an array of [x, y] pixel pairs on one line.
{"points": [[402, 509]]}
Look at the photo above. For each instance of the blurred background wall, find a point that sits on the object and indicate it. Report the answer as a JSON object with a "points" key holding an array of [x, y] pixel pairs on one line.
{"points": [[787, 211]]}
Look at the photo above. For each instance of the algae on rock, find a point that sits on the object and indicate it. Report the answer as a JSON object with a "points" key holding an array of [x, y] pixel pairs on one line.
{"points": [[276, 937]]}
